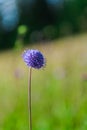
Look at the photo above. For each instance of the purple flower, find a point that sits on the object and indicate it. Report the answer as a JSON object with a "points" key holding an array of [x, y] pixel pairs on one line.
{"points": [[34, 59]]}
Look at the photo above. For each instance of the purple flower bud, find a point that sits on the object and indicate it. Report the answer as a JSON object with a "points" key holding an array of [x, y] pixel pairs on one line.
{"points": [[34, 59]]}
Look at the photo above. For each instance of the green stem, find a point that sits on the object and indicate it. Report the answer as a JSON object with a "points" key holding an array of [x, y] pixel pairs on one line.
{"points": [[29, 99]]}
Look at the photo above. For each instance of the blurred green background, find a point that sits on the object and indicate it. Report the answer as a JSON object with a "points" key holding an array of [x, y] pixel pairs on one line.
{"points": [[59, 91]]}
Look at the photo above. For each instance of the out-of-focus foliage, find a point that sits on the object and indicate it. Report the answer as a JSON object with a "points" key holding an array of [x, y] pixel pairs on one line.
{"points": [[59, 93], [44, 19]]}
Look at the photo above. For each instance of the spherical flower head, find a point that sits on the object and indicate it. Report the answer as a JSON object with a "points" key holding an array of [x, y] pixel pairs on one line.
{"points": [[34, 59]]}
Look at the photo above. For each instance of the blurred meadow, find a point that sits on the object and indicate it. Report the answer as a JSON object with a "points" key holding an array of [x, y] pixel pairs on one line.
{"points": [[59, 91]]}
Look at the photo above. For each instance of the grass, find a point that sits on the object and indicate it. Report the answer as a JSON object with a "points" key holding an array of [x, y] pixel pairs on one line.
{"points": [[59, 92]]}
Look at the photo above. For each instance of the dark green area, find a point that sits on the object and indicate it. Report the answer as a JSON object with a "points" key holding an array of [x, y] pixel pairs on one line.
{"points": [[46, 22]]}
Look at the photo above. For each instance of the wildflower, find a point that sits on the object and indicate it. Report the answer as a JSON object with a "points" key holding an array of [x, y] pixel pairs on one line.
{"points": [[34, 59]]}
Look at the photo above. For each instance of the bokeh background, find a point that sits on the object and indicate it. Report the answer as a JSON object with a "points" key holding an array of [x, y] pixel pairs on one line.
{"points": [[58, 28]]}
